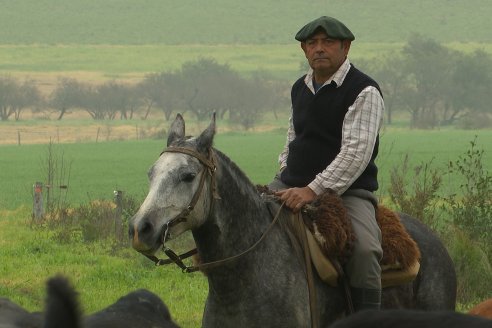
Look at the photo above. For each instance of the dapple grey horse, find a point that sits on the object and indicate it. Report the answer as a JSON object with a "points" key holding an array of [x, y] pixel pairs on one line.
{"points": [[193, 186]]}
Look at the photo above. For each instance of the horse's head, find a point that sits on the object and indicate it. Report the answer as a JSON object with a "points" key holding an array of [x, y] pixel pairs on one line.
{"points": [[180, 190]]}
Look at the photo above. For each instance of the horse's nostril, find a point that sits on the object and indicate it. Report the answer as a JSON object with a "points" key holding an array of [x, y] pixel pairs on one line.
{"points": [[146, 228]]}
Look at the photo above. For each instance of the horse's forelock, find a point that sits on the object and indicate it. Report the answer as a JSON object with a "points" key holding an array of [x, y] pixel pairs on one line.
{"points": [[189, 142]]}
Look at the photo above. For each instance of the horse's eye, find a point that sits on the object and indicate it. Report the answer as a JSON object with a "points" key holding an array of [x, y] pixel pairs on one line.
{"points": [[188, 177]]}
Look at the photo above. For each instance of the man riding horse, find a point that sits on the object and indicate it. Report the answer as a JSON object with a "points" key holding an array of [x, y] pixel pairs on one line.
{"points": [[332, 143]]}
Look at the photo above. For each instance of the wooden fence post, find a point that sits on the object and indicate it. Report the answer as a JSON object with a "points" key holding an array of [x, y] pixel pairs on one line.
{"points": [[37, 209], [118, 223]]}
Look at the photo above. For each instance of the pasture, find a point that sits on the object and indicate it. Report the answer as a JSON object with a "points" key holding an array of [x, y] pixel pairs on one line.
{"points": [[96, 169], [226, 22], [98, 63]]}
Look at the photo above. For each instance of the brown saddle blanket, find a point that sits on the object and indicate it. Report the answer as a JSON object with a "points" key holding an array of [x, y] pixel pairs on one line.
{"points": [[327, 219]]}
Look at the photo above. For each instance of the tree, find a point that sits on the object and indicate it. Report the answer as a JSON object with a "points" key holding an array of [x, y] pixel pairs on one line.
{"points": [[472, 81], [207, 86], [163, 90], [210, 87], [15, 97], [275, 93], [69, 93], [427, 63], [106, 100], [435, 84], [95, 103], [392, 80], [8, 91], [132, 101], [252, 98]]}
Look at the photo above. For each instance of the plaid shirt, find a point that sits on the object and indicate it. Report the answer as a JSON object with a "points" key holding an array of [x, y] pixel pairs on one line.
{"points": [[360, 128]]}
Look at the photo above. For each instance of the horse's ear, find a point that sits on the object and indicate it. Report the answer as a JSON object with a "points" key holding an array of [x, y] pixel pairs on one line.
{"points": [[177, 130], [206, 138]]}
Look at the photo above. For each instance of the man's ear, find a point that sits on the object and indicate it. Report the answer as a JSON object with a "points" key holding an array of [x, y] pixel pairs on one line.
{"points": [[303, 46], [346, 46]]}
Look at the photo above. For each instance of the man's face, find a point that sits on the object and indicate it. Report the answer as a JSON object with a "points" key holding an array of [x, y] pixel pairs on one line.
{"points": [[324, 54]]}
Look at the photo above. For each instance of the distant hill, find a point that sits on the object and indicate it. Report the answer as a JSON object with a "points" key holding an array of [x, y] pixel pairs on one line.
{"points": [[235, 22]]}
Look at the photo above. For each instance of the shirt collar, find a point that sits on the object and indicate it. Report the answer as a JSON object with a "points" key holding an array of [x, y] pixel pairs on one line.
{"points": [[338, 77]]}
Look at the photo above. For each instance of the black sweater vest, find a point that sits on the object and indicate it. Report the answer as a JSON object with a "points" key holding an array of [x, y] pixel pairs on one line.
{"points": [[318, 120]]}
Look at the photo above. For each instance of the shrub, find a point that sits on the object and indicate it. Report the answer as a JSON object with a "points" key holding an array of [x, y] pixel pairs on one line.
{"points": [[471, 208], [475, 120], [95, 221], [418, 199], [467, 234], [473, 267]]}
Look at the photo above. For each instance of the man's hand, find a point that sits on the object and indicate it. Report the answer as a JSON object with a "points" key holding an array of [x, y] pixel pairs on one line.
{"points": [[296, 198]]}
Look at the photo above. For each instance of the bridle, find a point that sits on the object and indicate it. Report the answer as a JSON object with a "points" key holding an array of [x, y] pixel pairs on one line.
{"points": [[210, 167]]}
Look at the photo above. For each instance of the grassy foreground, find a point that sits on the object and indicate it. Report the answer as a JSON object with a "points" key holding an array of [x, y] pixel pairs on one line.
{"points": [[30, 256]]}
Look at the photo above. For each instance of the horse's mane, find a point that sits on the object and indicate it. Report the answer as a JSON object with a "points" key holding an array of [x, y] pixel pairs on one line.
{"points": [[235, 169]]}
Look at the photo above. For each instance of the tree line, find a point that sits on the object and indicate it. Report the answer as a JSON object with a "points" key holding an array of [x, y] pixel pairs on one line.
{"points": [[200, 87], [436, 85]]}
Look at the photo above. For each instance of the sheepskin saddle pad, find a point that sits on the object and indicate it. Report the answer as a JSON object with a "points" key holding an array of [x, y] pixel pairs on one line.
{"points": [[330, 238], [327, 220]]}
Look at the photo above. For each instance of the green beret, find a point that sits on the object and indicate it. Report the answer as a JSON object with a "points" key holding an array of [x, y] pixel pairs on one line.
{"points": [[332, 26]]}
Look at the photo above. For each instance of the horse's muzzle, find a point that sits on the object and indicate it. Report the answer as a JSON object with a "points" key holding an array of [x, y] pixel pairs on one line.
{"points": [[140, 235]]}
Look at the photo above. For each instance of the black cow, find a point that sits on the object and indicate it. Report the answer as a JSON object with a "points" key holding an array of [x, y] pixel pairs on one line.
{"points": [[411, 319], [62, 306], [140, 308], [13, 316]]}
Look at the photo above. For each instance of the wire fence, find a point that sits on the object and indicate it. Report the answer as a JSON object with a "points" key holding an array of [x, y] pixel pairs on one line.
{"points": [[12, 135]]}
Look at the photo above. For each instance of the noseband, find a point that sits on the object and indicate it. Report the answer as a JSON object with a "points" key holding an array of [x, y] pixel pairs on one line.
{"points": [[210, 167]]}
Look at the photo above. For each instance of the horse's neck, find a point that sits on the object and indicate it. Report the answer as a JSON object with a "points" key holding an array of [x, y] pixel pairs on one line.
{"points": [[237, 218], [237, 221]]}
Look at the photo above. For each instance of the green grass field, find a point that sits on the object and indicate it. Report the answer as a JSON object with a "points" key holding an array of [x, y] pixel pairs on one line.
{"points": [[29, 256], [99, 168], [234, 22], [121, 39], [129, 62]]}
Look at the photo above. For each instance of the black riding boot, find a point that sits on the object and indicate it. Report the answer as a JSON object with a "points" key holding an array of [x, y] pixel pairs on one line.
{"points": [[365, 298]]}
